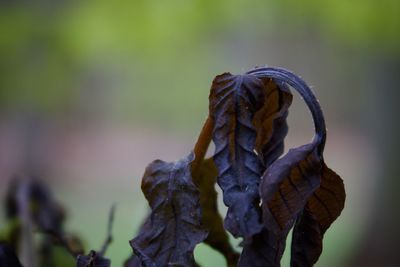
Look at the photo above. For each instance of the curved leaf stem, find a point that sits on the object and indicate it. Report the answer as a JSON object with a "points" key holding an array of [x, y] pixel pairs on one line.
{"points": [[305, 91], [201, 147]]}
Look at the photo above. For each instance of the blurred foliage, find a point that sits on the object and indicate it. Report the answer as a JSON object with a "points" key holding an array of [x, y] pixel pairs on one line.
{"points": [[52, 51], [363, 24]]}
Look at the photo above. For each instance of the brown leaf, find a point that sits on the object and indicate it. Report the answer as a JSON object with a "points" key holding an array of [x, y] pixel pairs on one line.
{"points": [[287, 185], [174, 227], [212, 220], [270, 121], [285, 188], [322, 209]]}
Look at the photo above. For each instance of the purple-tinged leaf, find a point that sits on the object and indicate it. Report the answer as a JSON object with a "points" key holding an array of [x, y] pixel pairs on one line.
{"points": [[234, 99], [322, 209], [174, 227]]}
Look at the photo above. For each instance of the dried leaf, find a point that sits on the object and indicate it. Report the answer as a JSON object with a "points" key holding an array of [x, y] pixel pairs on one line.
{"points": [[47, 214], [37, 206], [174, 227], [285, 188], [287, 185], [322, 209], [212, 220], [92, 260], [234, 99], [8, 257], [270, 121]]}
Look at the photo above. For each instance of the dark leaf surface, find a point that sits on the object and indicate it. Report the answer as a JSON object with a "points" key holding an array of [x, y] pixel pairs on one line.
{"points": [[322, 209], [132, 261], [234, 99], [285, 188], [212, 220], [8, 257], [174, 228], [265, 250], [287, 185], [270, 121]]}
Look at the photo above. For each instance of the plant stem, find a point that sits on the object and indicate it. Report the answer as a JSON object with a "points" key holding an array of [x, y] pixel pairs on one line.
{"points": [[200, 149]]}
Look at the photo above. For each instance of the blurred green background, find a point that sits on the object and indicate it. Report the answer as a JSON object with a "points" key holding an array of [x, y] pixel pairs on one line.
{"points": [[91, 91]]}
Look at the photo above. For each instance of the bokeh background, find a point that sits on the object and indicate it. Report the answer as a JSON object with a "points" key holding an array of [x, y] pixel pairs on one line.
{"points": [[92, 91]]}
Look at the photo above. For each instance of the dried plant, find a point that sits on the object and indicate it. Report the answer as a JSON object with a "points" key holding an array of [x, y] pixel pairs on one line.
{"points": [[267, 195]]}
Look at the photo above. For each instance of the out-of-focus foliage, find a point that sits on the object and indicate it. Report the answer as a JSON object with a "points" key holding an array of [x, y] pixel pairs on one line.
{"points": [[362, 24], [52, 49]]}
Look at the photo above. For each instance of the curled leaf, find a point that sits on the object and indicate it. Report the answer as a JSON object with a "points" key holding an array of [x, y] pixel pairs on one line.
{"points": [[287, 185], [270, 121], [174, 227], [322, 209], [211, 219], [234, 99]]}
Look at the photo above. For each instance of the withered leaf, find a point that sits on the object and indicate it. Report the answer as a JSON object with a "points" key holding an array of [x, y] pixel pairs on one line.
{"points": [[46, 212], [270, 121], [234, 99], [325, 203], [8, 257], [286, 185], [47, 216], [92, 260], [212, 220], [322, 209], [174, 228]]}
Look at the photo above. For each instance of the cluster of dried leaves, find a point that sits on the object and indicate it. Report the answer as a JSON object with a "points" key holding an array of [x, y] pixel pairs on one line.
{"points": [[267, 195]]}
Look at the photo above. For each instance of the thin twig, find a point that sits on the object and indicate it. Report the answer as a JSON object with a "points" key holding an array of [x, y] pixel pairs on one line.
{"points": [[109, 238]]}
